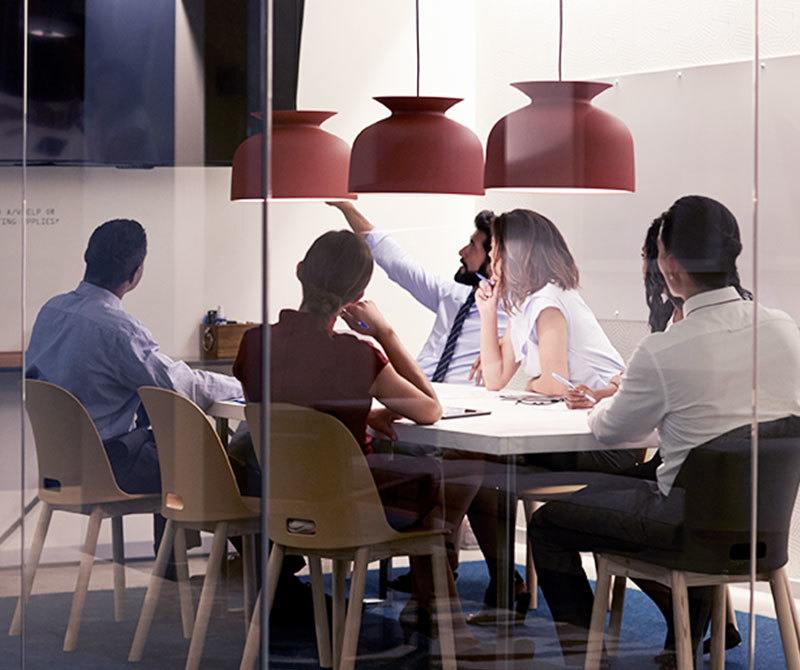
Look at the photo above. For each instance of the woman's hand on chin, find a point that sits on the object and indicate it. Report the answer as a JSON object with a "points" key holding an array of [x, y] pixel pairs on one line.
{"points": [[365, 317], [486, 298]]}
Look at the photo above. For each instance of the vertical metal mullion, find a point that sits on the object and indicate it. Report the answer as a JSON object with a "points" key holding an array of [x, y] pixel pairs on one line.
{"points": [[751, 652], [23, 315], [266, 97]]}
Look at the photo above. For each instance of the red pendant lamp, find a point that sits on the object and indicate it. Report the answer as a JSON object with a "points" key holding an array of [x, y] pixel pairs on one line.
{"points": [[560, 141], [308, 163], [417, 149]]}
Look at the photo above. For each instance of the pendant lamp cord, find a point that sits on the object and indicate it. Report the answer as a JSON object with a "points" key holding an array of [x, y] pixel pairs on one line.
{"points": [[560, 35], [416, 27]]}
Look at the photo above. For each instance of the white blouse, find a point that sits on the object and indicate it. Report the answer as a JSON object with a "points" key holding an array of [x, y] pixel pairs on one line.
{"points": [[591, 358]]}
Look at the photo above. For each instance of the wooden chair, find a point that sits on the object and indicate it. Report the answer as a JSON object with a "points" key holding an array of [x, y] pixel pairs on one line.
{"points": [[75, 476], [199, 492], [323, 504], [713, 540]]}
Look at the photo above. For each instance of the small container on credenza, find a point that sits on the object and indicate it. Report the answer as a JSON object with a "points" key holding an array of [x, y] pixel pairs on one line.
{"points": [[221, 340]]}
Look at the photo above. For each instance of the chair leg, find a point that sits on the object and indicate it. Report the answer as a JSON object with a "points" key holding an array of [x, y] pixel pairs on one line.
{"points": [[29, 570], [249, 577], [352, 624], [530, 570], [207, 596], [253, 642], [184, 585], [320, 612], [783, 608], [680, 613], [338, 597], [730, 616], [444, 614], [274, 565], [118, 552], [594, 645], [615, 621], [718, 616], [82, 585], [153, 591], [793, 608]]}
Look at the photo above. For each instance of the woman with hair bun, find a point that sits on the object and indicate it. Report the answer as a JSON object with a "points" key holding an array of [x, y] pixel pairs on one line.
{"points": [[312, 365], [692, 383]]}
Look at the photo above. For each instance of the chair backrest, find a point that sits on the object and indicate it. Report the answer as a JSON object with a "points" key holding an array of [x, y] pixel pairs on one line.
{"points": [[197, 483], [321, 492], [624, 334], [73, 465], [716, 482]]}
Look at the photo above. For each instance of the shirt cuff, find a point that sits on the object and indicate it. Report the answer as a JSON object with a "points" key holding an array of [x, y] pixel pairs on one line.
{"points": [[597, 412]]}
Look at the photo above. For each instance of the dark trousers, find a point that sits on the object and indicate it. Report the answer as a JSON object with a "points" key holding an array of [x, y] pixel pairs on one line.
{"points": [[613, 513], [485, 514], [134, 462]]}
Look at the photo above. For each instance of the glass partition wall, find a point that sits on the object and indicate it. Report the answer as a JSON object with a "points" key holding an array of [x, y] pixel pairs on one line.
{"points": [[389, 419]]}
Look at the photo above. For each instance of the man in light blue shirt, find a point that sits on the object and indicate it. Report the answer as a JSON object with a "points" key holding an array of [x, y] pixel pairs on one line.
{"points": [[454, 342], [85, 342]]}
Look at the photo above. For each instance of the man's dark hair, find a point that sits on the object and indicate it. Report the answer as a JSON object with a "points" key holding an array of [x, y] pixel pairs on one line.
{"points": [[483, 222], [115, 251]]}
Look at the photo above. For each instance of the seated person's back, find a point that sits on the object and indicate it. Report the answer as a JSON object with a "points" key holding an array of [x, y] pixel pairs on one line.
{"points": [[337, 373], [85, 342], [313, 366]]}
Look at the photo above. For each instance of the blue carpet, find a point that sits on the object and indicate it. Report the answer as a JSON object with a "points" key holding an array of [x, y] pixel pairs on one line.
{"points": [[104, 644]]}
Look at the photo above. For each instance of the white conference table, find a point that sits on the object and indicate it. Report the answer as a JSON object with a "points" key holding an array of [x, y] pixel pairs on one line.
{"points": [[511, 429]]}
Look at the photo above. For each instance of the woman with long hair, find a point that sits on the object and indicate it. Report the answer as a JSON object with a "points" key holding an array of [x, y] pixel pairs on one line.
{"points": [[689, 382], [340, 374], [551, 329], [663, 309]]}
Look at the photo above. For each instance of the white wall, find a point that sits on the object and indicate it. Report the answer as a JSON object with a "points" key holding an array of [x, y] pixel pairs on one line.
{"points": [[205, 250]]}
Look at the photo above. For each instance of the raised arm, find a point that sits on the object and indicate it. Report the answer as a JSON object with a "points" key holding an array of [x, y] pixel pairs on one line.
{"points": [[426, 287], [401, 385], [497, 357]]}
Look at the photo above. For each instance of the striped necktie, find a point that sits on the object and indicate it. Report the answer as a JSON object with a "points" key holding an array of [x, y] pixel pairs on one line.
{"points": [[452, 338]]}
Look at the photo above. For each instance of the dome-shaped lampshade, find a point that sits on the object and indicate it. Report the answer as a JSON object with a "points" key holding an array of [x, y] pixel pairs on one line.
{"points": [[308, 163], [417, 149], [560, 141]]}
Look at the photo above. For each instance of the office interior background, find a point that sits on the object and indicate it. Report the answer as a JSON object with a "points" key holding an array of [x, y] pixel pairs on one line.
{"points": [[708, 90]]}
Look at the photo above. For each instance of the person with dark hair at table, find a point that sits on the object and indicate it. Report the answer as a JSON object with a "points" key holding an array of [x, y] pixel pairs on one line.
{"points": [[85, 342], [691, 382], [312, 365]]}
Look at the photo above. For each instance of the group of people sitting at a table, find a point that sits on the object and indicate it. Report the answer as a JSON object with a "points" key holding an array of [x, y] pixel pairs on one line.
{"points": [[513, 303]]}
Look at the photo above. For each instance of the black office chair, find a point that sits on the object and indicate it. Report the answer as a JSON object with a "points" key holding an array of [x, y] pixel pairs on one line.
{"points": [[712, 537]]}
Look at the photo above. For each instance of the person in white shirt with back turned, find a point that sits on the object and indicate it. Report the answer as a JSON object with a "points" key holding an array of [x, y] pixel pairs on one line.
{"points": [[692, 383]]}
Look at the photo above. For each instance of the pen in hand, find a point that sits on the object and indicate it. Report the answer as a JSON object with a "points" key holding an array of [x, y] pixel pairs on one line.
{"points": [[571, 386]]}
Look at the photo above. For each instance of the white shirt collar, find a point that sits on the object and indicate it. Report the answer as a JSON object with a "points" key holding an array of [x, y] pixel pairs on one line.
{"points": [[710, 298]]}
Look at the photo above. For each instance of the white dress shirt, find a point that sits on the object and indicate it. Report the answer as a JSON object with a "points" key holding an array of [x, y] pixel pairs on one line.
{"points": [[442, 296], [591, 357], [694, 381]]}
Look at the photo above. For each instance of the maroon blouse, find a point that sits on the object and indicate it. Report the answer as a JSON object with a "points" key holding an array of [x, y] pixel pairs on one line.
{"points": [[312, 366]]}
